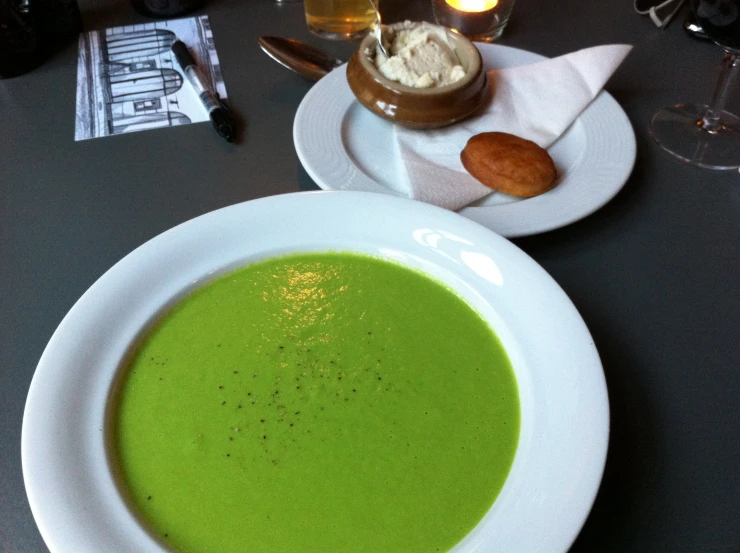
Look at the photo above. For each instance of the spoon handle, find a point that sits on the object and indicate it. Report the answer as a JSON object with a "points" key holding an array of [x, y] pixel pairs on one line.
{"points": [[297, 56], [378, 30]]}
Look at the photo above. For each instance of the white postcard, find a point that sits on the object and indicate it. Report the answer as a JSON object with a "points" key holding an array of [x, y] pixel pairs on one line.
{"points": [[128, 80]]}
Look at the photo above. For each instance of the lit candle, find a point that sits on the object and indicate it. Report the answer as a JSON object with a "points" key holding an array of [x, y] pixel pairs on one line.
{"points": [[473, 5], [472, 18]]}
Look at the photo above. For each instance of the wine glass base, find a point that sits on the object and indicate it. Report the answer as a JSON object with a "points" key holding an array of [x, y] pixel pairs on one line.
{"points": [[679, 132]]}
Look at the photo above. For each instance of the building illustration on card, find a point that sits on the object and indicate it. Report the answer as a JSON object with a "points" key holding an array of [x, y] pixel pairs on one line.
{"points": [[128, 79]]}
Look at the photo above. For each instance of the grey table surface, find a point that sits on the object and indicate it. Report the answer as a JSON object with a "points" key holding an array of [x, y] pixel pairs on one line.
{"points": [[654, 273]]}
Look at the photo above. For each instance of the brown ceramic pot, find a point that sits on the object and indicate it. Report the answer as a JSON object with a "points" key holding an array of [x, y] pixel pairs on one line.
{"points": [[419, 108]]}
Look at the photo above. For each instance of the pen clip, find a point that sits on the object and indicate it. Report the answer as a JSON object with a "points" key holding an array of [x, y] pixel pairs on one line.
{"points": [[221, 103]]}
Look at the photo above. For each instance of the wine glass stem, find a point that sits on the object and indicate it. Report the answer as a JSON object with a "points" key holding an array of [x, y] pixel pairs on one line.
{"points": [[730, 64]]}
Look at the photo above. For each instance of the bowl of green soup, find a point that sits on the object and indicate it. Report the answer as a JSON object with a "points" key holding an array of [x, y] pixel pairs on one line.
{"points": [[315, 372]]}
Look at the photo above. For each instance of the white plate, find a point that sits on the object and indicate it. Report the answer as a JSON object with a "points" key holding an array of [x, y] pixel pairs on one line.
{"points": [[343, 146], [564, 406]]}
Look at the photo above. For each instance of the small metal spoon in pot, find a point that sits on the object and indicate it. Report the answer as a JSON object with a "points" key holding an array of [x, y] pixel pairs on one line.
{"points": [[378, 30], [304, 59]]}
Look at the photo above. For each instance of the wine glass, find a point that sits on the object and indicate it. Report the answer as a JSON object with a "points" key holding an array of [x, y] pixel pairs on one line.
{"points": [[707, 136]]}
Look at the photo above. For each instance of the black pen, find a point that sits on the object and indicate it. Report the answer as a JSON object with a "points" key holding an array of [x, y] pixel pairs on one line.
{"points": [[217, 111]]}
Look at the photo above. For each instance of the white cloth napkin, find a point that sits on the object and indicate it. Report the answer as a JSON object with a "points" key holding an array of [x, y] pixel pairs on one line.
{"points": [[537, 102]]}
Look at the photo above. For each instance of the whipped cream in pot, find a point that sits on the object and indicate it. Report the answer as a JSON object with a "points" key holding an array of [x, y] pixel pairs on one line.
{"points": [[421, 56]]}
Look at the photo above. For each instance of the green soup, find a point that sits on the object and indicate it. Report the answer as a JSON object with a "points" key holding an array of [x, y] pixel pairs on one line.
{"points": [[317, 403]]}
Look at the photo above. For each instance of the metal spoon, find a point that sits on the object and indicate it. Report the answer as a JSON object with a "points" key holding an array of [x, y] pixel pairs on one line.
{"points": [[304, 59], [378, 30], [695, 30]]}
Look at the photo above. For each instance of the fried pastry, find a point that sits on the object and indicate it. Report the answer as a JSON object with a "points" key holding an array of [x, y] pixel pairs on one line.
{"points": [[509, 164]]}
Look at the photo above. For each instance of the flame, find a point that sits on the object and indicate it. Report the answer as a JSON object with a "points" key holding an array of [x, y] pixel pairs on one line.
{"points": [[472, 5]]}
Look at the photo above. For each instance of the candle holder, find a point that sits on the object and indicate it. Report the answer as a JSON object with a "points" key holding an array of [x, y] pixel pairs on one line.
{"points": [[479, 20]]}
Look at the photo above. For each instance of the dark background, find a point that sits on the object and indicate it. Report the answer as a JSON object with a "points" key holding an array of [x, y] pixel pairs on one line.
{"points": [[654, 273]]}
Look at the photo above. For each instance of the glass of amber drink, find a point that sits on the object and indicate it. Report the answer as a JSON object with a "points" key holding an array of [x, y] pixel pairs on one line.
{"points": [[339, 19]]}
